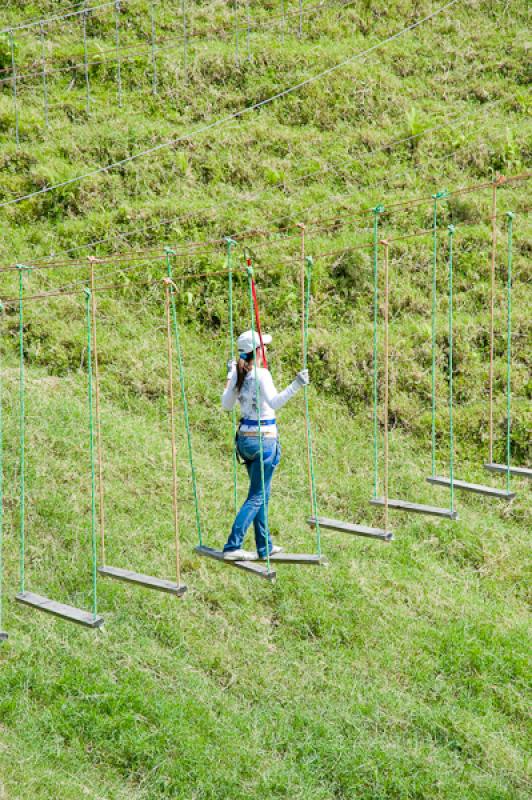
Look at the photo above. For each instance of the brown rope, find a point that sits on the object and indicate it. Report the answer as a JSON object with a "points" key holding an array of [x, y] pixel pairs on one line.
{"points": [[171, 407], [208, 244], [99, 446], [385, 244], [499, 181]]}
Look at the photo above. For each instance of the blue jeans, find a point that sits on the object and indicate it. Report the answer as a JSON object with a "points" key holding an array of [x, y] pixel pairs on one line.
{"points": [[253, 510]]}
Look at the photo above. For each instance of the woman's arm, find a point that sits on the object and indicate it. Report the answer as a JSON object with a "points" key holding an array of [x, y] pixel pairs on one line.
{"points": [[277, 399], [230, 394]]}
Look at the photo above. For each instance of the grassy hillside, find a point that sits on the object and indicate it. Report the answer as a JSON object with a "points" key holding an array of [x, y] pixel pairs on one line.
{"points": [[399, 671]]}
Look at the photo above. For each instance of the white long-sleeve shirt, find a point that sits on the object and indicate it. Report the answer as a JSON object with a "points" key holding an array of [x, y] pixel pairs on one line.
{"points": [[270, 399]]}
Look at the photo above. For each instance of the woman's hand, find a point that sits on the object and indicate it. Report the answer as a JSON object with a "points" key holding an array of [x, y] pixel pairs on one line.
{"points": [[303, 377], [231, 365]]}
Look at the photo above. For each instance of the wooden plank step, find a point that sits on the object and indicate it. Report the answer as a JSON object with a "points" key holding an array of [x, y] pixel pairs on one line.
{"points": [[350, 527], [416, 508], [521, 472], [3, 636], [62, 610], [119, 574], [478, 488], [249, 566], [297, 558]]}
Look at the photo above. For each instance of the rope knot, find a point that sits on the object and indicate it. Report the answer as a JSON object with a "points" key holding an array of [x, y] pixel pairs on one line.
{"points": [[510, 215], [87, 292], [440, 195], [378, 209], [229, 241], [169, 251], [451, 229]]}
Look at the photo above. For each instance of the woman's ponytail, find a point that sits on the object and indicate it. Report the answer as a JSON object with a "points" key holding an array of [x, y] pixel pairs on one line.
{"points": [[243, 366]]}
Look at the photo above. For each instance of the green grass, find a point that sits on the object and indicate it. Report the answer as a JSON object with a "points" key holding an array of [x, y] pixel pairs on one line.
{"points": [[400, 672]]}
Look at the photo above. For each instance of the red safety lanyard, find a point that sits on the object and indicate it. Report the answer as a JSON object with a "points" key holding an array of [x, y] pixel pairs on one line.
{"points": [[257, 318]]}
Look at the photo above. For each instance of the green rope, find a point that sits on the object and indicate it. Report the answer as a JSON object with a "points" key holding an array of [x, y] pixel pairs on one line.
{"points": [[1, 501], [451, 431], [310, 264], [230, 243], [376, 211], [510, 218], [91, 448], [435, 197], [257, 398], [22, 428], [169, 253]]}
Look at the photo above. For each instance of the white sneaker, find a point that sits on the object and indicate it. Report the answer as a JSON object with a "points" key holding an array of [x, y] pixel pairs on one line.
{"points": [[239, 555], [275, 549]]}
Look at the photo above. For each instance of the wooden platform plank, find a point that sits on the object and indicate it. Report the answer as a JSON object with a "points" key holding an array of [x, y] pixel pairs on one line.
{"points": [[138, 578], [477, 488], [3, 636], [249, 566], [62, 610], [297, 558], [415, 508], [350, 527], [520, 472]]}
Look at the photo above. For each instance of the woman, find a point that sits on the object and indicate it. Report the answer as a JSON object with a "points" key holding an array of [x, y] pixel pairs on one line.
{"points": [[241, 386]]}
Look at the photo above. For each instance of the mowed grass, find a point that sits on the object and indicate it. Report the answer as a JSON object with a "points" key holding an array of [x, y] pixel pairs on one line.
{"points": [[399, 671]]}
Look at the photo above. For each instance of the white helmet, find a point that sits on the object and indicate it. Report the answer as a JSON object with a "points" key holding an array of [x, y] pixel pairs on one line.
{"points": [[246, 340]]}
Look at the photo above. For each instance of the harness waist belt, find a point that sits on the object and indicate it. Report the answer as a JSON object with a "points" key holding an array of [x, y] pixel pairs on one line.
{"points": [[254, 423]]}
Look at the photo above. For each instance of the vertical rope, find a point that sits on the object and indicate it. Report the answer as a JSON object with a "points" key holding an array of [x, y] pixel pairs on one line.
{"points": [[257, 317], [510, 218], [302, 282], [300, 18], [22, 430], [492, 311], [153, 52], [44, 76], [86, 61], [230, 243], [376, 211], [2, 635], [451, 431], [257, 399], [99, 443], [386, 377], [283, 23], [92, 459], [118, 61], [169, 253], [171, 406], [435, 197], [14, 84], [185, 42], [310, 456]]}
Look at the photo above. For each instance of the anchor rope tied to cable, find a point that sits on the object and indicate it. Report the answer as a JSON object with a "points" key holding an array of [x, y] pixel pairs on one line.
{"points": [[379, 209], [510, 219], [451, 230], [171, 408], [88, 311], [309, 265], [435, 197]]}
